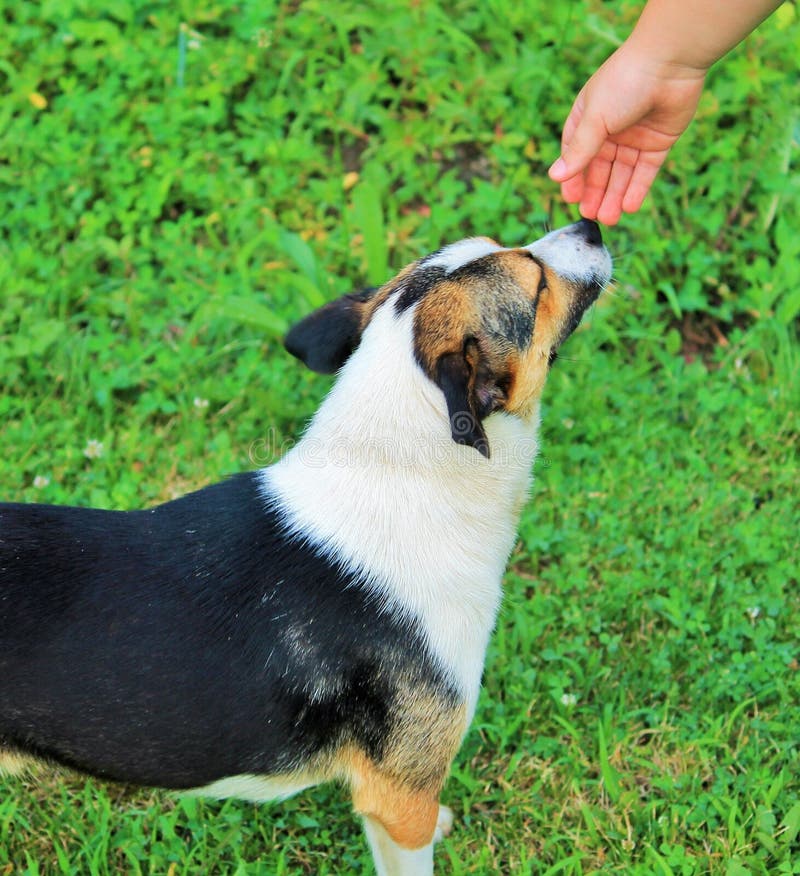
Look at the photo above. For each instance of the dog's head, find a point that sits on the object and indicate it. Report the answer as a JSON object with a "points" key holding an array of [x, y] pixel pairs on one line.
{"points": [[488, 321]]}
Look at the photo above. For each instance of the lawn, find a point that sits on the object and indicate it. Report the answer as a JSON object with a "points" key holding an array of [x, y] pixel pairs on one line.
{"points": [[179, 182]]}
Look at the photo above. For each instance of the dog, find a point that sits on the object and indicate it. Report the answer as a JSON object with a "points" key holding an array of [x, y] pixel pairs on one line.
{"points": [[324, 618]]}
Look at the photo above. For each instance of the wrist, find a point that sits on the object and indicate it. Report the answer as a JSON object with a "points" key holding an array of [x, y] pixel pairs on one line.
{"points": [[689, 36], [660, 58]]}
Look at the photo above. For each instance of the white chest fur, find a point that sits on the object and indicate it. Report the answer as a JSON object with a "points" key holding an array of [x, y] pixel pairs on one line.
{"points": [[378, 483]]}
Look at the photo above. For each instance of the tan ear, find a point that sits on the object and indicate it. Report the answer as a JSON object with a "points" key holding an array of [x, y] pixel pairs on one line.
{"points": [[472, 391], [325, 339]]}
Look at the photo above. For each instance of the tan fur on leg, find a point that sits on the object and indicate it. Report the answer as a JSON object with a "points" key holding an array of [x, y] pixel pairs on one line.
{"points": [[409, 816]]}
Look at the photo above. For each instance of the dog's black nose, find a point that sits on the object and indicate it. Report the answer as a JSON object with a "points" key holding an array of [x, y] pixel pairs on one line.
{"points": [[591, 231]]}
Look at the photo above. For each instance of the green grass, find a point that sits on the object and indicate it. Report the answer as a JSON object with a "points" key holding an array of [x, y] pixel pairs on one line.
{"points": [[173, 197]]}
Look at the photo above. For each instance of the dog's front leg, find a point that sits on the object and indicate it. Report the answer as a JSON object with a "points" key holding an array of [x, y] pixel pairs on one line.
{"points": [[391, 859], [402, 822]]}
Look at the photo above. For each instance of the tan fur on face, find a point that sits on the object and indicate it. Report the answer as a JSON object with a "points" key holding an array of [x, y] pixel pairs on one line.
{"points": [[444, 318], [496, 306], [492, 304], [552, 315]]}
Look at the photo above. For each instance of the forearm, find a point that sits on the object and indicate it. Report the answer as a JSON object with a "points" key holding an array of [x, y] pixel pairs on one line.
{"points": [[693, 34]]}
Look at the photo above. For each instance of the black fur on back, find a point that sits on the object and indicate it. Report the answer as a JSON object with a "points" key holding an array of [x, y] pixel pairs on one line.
{"points": [[190, 642]]}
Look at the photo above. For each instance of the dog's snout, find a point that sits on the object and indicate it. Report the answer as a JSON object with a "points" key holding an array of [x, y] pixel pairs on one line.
{"points": [[576, 252], [590, 231]]}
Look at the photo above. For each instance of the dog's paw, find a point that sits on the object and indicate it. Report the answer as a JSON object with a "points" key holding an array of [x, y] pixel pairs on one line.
{"points": [[444, 823]]}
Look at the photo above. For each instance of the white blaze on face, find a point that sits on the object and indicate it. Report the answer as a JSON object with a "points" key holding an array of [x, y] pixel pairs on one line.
{"points": [[455, 256], [567, 252]]}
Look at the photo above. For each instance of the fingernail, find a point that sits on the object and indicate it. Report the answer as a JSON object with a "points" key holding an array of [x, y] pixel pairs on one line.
{"points": [[558, 168]]}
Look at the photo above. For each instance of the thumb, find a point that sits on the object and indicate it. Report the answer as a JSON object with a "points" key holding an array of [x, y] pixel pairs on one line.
{"points": [[576, 152]]}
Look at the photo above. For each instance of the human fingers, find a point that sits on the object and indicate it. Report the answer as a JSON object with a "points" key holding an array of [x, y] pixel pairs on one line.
{"points": [[584, 135], [622, 169], [572, 189], [644, 173], [573, 119], [595, 180]]}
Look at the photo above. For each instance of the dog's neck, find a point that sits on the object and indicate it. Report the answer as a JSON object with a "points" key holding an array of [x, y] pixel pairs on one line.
{"points": [[380, 486]]}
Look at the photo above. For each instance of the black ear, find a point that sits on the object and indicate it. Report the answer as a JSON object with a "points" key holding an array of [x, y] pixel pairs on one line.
{"points": [[325, 339], [472, 392]]}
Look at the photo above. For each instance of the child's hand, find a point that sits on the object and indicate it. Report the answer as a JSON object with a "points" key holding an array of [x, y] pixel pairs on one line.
{"points": [[628, 115], [619, 131]]}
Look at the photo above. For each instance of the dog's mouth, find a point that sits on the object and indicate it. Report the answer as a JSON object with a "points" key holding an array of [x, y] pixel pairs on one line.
{"points": [[585, 297]]}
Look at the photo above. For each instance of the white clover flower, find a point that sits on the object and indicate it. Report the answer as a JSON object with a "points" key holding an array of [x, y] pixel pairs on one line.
{"points": [[569, 700], [200, 403], [93, 449], [40, 482]]}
